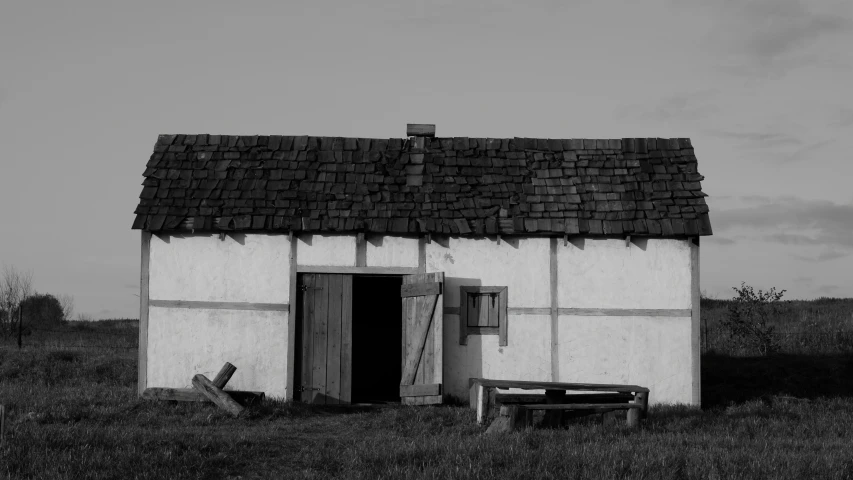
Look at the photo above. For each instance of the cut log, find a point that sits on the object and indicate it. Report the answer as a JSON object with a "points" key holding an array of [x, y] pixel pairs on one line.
{"points": [[221, 378], [192, 395], [217, 395]]}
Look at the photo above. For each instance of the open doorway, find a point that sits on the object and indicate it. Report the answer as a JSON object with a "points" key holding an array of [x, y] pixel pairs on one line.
{"points": [[377, 335]]}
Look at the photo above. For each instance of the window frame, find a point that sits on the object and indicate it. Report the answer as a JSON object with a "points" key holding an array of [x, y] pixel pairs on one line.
{"points": [[465, 329]]}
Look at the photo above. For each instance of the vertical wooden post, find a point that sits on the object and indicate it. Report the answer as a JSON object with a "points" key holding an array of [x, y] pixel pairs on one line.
{"points": [[555, 304], [291, 323], [143, 313], [2, 426], [635, 414], [221, 378]]}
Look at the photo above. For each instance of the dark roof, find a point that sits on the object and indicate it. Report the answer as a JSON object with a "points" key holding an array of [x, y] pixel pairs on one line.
{"points": [[461, 186]]}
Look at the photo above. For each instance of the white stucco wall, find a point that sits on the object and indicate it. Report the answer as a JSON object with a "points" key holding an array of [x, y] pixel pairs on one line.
{"points": [[317, 249], [241, 268], [592, 273], [183, 342], [382, 251]]}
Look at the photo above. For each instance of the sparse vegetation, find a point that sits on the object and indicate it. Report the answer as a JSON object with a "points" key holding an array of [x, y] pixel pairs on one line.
{"points": [[74, 414]]}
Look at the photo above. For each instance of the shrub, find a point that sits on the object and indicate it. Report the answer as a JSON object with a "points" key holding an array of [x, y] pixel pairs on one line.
{"points": [[747, 318]]}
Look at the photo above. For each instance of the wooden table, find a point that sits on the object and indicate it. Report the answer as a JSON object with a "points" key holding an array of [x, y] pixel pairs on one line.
{"points": [[634, 398]]}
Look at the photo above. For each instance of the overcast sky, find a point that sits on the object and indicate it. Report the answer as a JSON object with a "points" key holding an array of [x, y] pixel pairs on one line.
{"points": [[761, 87]]}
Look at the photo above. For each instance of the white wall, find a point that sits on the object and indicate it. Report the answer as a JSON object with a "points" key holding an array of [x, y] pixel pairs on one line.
{"points": [[593, 273], [241, 268]]}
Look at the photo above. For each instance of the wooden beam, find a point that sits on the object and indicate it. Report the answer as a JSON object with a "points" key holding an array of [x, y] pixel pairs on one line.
{"points": [[420, 289], [221, 378], [193, 395], [357, 270], [534, 385], [142, 374], [503, 324], [628, 241], [583, 406], [528, 311], [291, 322], [420, 130], [421, 255], [360, 250], [625, 312], [420, 390], [217, 395], [268, 307], [555, 332]]}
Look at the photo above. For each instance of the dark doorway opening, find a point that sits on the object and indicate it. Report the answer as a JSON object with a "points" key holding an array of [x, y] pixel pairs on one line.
{"points": [[377, 335]]}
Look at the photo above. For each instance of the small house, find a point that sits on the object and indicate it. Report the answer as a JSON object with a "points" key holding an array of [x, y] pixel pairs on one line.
{"points": [[352, 270]]}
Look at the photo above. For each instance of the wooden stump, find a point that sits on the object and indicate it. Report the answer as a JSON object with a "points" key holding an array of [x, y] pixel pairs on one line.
{"points": [[221, 378], [512, 418], [635, 414], [217, 395]]}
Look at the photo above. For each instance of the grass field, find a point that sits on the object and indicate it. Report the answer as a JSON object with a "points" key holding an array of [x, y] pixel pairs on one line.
{"points": [[74, 414]]}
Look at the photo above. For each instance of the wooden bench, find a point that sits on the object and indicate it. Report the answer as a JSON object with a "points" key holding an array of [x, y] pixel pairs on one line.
{"points": [[516, 409]]}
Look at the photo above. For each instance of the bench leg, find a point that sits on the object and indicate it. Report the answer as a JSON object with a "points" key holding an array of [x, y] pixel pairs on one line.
{"points": [[554, 418], [635, 414], [484, 403]]}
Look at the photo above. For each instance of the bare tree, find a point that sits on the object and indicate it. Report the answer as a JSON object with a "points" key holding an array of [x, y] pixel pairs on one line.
{"points": [[15, 287], [67, 303]]}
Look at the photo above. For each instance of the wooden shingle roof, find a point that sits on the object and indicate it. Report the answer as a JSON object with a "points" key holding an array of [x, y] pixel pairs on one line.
{"points": [[459, 186]]}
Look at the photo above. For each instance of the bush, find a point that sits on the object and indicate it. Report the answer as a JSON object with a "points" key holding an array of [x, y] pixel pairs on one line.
{"points": [[747, 318]]}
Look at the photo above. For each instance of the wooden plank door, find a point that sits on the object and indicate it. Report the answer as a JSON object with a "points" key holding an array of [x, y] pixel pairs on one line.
{"points": [[423, 305], [326, 339]]}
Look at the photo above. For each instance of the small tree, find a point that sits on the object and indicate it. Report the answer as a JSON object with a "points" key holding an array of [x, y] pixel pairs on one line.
{"points": [[42, 309], [15, 286], [747, 318], [67, 303]]}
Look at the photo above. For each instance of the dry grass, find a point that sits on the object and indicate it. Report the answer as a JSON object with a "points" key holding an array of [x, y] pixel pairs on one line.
{"points": [[75, 415]]}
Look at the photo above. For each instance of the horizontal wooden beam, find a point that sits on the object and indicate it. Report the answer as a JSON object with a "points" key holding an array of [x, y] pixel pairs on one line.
{"points": [[420, 130], [625, 312], [269, 307], [581, 406], [193, 395], [528, 385], [420, 390], [503, 398], [592, 312], [420, 289], [357, 270]]}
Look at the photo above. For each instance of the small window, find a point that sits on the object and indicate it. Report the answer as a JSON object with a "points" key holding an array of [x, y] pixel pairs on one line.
{"points": [[482, 311]]}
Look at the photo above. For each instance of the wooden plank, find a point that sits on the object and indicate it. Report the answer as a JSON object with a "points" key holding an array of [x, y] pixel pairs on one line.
{"points": [[484, 331], [422, 241], [626, 312], [309, 282], [225, 373], [503, 398], [217, 395], [483, 305], [555, 325], [534, 385], [192, 395], [142, 372], [321, 339], [426, 400], [420, 390], [528, 311], [423, 320], [420, 289], [290, 392], [477, 289], [357, 270], [333, 353], [268, 307], [420, 130], [360, 250], [582, 406], [346, 339], [437, 336], [503, 326]]}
